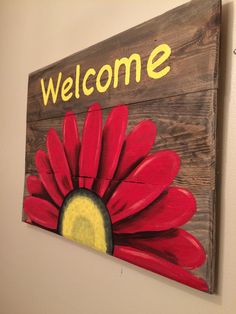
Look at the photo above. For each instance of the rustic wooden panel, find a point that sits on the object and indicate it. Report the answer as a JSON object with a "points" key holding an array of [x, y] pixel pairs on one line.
{"points": [[192, 32], [184, 123], [182, 104]]}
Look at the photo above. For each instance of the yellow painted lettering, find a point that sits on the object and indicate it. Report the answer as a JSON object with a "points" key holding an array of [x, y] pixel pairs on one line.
{"points": [[77, 77], [127, 63], [102, 88], [152, 65], [65, 89], [88, 91], [50, 89]]}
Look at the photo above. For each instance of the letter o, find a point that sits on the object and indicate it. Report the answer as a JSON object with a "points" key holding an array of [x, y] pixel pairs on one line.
{"points": [[103, 88]]}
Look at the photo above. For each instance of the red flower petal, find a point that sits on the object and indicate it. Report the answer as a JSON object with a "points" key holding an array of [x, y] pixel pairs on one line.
{"points": [[137, 145], [172, 210], [47, 177], [112, 142], [176, 246], [153, 175], [35, 187], [159, 265], [71, 141], [41, 212], [91, 146], [59, 162]]}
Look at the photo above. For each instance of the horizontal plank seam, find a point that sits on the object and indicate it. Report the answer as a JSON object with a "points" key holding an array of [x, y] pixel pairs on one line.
{"points": [[127, 104], [111, 180]]}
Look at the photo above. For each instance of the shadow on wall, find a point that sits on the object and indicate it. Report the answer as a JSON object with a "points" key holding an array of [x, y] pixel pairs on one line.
{"points": [[226, 55]]}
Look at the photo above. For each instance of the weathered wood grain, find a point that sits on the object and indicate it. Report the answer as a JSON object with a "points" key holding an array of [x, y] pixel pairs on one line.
{"points": [[192, 32], [182, 104], [184, 124]]}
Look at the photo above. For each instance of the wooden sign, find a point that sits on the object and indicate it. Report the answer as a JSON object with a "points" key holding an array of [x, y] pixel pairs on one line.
{"points": [[121, 138]]}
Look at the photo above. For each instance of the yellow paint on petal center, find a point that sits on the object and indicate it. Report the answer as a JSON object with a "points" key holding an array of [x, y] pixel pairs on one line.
{"points": [[84, 219]]}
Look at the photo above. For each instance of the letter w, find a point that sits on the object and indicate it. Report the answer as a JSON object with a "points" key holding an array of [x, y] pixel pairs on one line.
{"points": [[50, 89]]}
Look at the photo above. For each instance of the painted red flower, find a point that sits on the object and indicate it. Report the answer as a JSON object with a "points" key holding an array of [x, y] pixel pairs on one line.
{"points": [[110, 193]]}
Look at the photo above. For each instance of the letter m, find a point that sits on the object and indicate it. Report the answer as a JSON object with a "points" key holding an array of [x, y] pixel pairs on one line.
{"points": [[127, 63]]}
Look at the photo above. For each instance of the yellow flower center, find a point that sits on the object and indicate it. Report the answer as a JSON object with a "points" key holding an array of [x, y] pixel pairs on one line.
{"points": [[85, 219]]}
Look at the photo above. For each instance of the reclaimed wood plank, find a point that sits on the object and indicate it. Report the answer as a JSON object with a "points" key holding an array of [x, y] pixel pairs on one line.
{"points": [[192, 32], [182, 103], [184, 124]]}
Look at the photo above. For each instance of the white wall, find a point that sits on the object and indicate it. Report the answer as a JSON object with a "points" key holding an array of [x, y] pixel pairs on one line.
{"points": [[42, 273]]}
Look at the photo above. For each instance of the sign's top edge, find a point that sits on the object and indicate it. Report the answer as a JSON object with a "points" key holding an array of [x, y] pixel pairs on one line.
{"points": [[209, 3]]}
